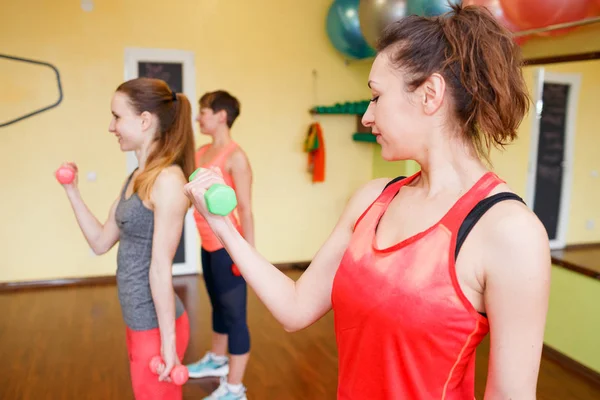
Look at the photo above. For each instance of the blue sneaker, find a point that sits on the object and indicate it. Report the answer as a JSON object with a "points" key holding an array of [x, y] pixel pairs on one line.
{"points": [[223, 392], [209, 365]]}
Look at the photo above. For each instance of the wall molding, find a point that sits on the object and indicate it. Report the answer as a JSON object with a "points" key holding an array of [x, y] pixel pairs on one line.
{"points": [[561, 259], [572, 365], [58, 283], [105, 280], [583, 246], [594, 55]]}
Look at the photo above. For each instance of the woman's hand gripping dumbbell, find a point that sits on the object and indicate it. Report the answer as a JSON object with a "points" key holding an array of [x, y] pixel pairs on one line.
{"points": [[179, 374], [66, 173], [209, 193]]}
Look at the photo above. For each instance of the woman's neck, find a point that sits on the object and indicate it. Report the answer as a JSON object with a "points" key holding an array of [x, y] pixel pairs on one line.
{"points": [[221, 138], [142, 155], [449, 165]]}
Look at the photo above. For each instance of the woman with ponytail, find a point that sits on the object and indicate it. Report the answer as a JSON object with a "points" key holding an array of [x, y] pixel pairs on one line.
{"points": [[147, 220], [420, 269]]}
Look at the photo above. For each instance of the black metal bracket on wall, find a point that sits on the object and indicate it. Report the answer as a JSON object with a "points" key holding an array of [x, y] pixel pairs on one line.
{"points": [[60, 91]]}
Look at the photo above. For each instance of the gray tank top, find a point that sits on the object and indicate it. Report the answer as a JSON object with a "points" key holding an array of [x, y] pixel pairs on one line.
{"points": [[136, 227]]}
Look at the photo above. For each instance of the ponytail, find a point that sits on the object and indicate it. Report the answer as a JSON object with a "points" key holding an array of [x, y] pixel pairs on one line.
{"points": [[174, 146]]}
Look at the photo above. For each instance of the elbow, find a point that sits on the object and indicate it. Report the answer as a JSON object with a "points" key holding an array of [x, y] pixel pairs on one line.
{"points": [[501, 396], [503, 391], [101, 245], [99, 250], [160, 275], [293, 326], [291, 329]]}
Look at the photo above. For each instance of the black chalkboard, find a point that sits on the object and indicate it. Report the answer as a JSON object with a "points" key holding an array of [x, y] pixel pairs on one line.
{"points": [[551, 154], [172, 73]]}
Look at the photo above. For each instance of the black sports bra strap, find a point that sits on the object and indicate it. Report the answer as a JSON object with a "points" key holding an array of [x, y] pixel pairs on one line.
{"points": [[477, 212], [394, 181]]}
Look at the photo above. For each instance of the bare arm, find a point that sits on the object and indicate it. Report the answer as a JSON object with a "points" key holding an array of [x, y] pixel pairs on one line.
{"points": [[295, 305], [100, 237], [517, 269], [170, 206], [242, 177]]}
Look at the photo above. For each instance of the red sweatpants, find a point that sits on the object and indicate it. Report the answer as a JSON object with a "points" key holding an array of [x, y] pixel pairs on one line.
{"points": [[142, 346]]}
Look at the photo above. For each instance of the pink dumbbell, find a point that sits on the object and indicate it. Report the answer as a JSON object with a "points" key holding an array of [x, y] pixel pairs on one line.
{"points": [[179, 373], [65, 175]]}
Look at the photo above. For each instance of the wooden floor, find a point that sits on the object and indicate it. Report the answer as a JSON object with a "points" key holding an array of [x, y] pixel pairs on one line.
{"points": [[69, 343]]}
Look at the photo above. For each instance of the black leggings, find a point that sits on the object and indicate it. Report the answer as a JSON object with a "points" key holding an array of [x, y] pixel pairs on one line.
{"points": [[228, 296]]}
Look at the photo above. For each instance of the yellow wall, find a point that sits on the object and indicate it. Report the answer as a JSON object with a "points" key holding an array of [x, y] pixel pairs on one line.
{"points": [[573, 320], [263, 51], [387, 169], [584, 39], [383, 168]]}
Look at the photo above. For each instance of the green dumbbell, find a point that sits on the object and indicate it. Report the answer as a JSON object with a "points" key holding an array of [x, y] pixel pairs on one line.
{"points": [[220, 199]]}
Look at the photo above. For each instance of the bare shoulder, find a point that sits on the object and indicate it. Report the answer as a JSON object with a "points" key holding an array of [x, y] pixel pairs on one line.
{"points": [[238, 157], [168, 186], [369, 191], [511, 222], [514, 241], [362, 198], [170, 178]]}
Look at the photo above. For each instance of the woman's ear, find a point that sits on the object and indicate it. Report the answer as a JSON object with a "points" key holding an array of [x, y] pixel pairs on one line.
{"points": [[147, 120], [222, 116], [432, 93]]}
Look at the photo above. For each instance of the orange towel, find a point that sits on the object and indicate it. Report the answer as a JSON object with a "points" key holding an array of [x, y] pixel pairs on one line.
{"points": [[315, 146]]}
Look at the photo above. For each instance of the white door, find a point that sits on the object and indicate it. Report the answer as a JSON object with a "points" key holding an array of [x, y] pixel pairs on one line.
{"points": [[551, 155]]}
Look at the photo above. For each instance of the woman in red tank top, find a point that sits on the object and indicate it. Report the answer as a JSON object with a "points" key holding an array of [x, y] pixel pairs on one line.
{"points": [[419, 270]]}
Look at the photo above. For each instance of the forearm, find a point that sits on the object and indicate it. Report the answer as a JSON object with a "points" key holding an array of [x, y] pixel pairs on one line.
{"points": [[273, 287], [88, 223], [247, 223], [163, 296]]}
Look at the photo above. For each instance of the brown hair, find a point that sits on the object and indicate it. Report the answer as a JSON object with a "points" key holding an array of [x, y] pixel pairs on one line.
{"points": [[174, 141], [479, 61], [221, 100]]}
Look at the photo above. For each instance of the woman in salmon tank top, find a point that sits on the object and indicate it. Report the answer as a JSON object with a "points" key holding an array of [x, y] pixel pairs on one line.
{"points": [[226, 287], [419, 269]]}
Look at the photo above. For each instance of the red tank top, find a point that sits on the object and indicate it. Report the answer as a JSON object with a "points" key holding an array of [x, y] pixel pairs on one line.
{"points": [[403, 326], [209, 241]]}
